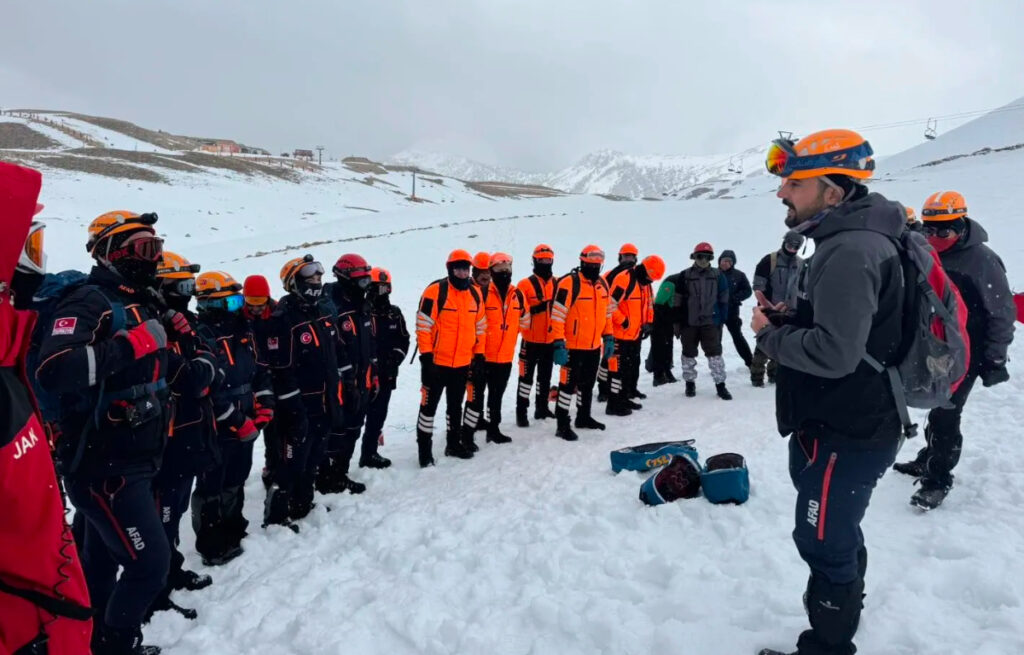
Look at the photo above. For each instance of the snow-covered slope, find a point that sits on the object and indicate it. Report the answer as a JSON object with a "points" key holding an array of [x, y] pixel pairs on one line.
{"points": [[535, 547], [603, 172]]}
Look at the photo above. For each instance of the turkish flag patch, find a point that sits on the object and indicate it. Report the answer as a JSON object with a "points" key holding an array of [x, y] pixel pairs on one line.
{"points": [[272, 343], [347, 325], [306, 338], [64, 326]]}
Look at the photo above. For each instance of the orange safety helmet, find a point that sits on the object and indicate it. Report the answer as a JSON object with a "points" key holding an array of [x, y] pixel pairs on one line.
{"points": [[543, 251], [500, 258], [828, 152], [380, 276], [293, 266], [482, 260], [460, 256], [216, 284], [175, 267], [117, 222], [944, 206], [911, 215], [655, 267], [592, 255], [629, 249]]}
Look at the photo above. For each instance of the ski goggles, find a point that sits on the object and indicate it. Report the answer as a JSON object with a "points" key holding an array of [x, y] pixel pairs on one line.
{"points": [[32, 259], [232, 303], [310, 270], [782, 160], [256, 301], [143, 246], [943, 232], [184, 287]]}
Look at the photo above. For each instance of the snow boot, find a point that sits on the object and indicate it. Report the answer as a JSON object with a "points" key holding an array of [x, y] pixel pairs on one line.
{"points": [[424, 444], [374, 461], [456, 447], [636, 395], [916, 467], [769, 651], [522, 421], [163, 603], [723, 393], [588, 423], [617, 407], [757, 382], [188, 580], [469, 440], [632, 404], [348, 484], [660, 378], [542, 412], [494, 435], [930, 495], [123, 642], [566, 432], [691, 389], [220, 559]]}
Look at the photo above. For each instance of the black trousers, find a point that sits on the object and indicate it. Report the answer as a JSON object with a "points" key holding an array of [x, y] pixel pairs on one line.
{"points": [[302, 445], [659, 360], [496, 378], [219, 499], [835, 476], [945, 440], [577, 377], [122, 529], [449, 383], [534, 358], [735, 327], [341, 445], [376, 414], [624, 368], [172, 489]]}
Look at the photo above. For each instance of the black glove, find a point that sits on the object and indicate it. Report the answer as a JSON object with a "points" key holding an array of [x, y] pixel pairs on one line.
{"points": [[426, 369], [993, 373], [646, 330]]}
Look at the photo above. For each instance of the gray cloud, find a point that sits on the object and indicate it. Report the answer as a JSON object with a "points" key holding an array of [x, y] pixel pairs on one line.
{"points": [[527, 83]]}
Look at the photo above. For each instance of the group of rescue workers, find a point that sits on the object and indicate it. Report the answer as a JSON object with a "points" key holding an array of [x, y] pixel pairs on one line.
{"points": [[149, 407]]}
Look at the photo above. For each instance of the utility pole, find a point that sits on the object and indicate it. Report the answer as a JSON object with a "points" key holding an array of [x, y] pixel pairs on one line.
{"points": [[414, 185], [320, 151]]}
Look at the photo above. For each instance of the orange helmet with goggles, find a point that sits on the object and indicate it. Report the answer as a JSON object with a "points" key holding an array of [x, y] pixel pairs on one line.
{"points": [[828, 152], [500, 258], [543, 251], [592, 255], [175, 267], [944, 206], [655, 267], [305, 266], [380, 276], [111, 223], [911, 215], [216, 290]]}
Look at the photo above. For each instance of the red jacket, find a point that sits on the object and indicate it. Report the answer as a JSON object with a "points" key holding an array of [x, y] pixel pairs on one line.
{"points": [[37, 553]]}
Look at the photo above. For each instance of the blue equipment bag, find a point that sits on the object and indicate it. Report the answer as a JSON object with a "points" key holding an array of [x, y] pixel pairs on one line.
{"points": [[679, 479], [650, 455], [725, 479]]}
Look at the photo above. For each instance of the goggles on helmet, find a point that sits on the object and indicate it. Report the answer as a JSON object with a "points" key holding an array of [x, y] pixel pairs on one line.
{"points": [[782, 160], [32, 259], [256, 301], [310, 269], [184, 287], [232, 303], [145, 247]]}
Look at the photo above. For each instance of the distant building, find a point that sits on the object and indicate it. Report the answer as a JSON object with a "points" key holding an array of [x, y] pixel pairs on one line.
{"points": [[303, 154], [221, 147]]}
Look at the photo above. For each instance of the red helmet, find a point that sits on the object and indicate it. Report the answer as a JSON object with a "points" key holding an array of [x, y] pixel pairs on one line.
{"points": [[351, 266], [703, 247]]}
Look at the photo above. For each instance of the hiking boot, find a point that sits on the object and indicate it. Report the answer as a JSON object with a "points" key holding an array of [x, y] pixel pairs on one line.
{"points": [[930, 495], [542, 412], [691, 389], [588, 423], [602, 397], [617, 407], [457, 449], [163, 603], [374, 461], [637, 395], [771, 378], [221, 559], [633, 405], [426, 460], [494, 435], [661, 378], [188, 580], [757, 382], [469, 442], [521, 419], [916, 467], [671, 378], [348, 484], [769, 651], [723, 393], [565, 432]]}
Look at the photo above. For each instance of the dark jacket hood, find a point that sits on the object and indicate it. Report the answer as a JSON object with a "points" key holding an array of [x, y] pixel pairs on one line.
{"points": [[728, 254], [871, 212], [976, 235]]}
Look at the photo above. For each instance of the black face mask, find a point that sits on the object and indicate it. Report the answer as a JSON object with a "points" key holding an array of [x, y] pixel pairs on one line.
{"points": [[380, 300], [642, 277], [23, 288], [309, 291], [543, 270], [137, 272], [460, 283], [502, 280], [176, 302], [591, 271]]}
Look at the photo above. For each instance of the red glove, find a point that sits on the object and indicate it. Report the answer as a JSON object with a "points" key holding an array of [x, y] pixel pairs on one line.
{"points": [[247, 432], [146, 338], [177, 322], [264, 415]]}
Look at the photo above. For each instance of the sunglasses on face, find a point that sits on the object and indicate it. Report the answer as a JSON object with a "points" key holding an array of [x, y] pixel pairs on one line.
{"points": [[704, 256], [936, 231]]}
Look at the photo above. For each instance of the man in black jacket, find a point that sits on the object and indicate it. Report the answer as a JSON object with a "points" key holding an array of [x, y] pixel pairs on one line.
{"points": [[839, 412], [776, 279], [739, 290], [300, 347], [980, 276], [105, 352], [392, 338]]}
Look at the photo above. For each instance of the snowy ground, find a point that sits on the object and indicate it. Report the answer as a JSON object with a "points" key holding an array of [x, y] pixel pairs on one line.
{"points": [[536, 547]]}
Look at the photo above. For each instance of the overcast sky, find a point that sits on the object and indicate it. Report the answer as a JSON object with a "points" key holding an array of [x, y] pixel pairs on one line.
{"points": [[533, 84]]}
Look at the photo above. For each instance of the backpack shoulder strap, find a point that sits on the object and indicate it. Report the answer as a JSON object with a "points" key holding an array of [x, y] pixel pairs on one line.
{"points": [[773, 261], [631, 286], [442, 294], [537, 288]]}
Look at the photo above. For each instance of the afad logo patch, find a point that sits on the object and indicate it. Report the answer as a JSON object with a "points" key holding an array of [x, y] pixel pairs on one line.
{"points": [[64, 326], [272, 343]]}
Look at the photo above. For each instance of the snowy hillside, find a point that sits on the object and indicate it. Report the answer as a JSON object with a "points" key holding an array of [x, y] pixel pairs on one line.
{"points": [[536, 547], [603, 172]]}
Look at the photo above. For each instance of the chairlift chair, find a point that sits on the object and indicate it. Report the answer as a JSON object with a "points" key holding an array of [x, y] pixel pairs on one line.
{"points": [[931, 130]]}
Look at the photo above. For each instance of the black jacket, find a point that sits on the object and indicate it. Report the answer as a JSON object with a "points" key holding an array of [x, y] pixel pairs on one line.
{"points": [[392, 342], [739, 289], [98, 377], [851, 304], [357, 348], [299, 345], [191, 446], [247, 381], [980, 276]]}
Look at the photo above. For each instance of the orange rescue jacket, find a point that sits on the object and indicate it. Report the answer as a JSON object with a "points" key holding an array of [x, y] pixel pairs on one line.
{"points": [[451, 324], [538, 295], [505, 318], [632, 305], [581, 314]]}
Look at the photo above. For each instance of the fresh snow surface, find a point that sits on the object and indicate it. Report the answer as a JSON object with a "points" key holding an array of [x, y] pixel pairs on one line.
{"points": [[536, 548], [110, 138]]}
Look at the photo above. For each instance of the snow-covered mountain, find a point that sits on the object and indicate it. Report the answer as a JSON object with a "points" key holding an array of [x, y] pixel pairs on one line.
{"points": [[607, 172]]}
